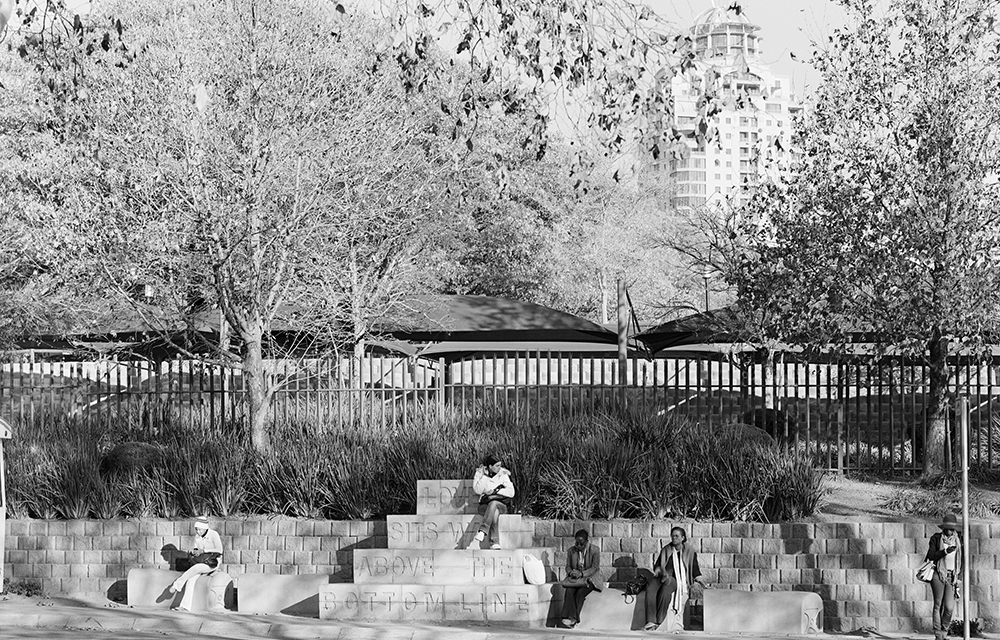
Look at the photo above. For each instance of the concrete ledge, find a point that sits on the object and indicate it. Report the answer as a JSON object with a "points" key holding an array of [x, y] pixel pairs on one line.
{"points": [[522, 605], [790, 612], [288, 594], [150, 588], [608, 611], [447, 566], [453, 531], [446, 497]]}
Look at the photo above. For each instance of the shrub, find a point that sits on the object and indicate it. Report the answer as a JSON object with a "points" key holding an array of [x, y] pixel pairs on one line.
{"points": [[607, 464]]}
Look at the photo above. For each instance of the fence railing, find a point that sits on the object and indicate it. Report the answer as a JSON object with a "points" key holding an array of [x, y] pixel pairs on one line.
{"points": [[864, 415]]}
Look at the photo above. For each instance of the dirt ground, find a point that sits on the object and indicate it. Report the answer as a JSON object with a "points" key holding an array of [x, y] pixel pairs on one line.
{"points": [[876, 500]]}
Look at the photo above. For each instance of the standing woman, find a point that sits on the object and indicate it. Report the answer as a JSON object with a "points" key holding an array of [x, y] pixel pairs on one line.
{"points": [[675, 570], [945, 551]]}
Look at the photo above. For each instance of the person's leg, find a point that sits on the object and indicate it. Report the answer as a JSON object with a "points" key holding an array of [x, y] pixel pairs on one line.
{"points": [[185, 582], [570, 613], [663, 602], [652, 597], [499, 509], [947, 607], [938, 588], [580, 596]]}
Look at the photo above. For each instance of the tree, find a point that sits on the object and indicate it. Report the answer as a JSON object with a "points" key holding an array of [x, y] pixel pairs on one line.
{"points": [[615, 232], [889, 222], [249, 158]]}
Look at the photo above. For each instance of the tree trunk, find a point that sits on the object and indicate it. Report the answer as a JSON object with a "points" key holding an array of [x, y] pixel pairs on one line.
{"points": [[258, 394], [937, 407]]}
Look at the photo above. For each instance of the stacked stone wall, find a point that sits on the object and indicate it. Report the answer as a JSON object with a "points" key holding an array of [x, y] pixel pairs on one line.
{"points": [[863, 571]]}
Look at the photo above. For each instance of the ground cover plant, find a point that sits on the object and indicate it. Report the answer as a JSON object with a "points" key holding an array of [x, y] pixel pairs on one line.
{"points": [[605, 465]]}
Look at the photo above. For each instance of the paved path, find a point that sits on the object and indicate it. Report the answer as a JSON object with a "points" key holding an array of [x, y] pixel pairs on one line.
{"points": [[65, 618]]}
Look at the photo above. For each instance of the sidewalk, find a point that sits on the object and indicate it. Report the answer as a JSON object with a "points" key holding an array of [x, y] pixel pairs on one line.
{"points": [[84, 615]]}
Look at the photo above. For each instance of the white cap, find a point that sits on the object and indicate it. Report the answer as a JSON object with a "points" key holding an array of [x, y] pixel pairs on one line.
{"points": [[201, 522]]}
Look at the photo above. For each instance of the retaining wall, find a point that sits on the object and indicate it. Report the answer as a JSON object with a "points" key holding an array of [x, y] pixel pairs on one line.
{"points": [[863, 571]]}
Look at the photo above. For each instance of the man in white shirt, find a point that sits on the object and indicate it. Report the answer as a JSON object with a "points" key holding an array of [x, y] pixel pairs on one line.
{"points": [[206, 551], [495, 488]]}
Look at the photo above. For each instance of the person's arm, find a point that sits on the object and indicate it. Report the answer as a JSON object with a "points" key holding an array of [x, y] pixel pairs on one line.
{"points": [[505, 484], [696, 572], [658, 568], [480, 481], [594, 563], [212, 542], [934, 550]]}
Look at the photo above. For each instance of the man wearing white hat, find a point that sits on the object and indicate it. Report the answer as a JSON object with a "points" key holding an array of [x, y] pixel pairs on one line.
{"points": [[206, 551]]}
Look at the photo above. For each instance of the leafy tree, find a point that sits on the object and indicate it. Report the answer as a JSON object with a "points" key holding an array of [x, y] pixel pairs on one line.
{"points": [[616, 231], [251, 157], [889, 223]]}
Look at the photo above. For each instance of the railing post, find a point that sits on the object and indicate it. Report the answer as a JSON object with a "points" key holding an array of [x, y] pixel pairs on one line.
{"points": [[440, 389], [622, 344]]}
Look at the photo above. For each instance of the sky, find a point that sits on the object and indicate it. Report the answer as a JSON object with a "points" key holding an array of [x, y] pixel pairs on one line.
{"points": [[786, 27]]}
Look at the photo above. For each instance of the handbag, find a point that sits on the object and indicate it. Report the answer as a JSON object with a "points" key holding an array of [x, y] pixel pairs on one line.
{"points": [[573, 582], [634, 587], [210, 558], [926, 571]]}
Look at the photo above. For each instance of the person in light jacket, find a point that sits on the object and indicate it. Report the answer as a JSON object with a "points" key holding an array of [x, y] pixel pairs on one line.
{"points": [[206, 551], [583, 561], [495, 488], [945, 550], [676, 570]]}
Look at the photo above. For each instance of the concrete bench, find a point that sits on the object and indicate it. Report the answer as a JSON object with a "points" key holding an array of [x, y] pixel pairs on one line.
{"points": [[151, 588], [289, 594], [788, 612], [607, 610]]}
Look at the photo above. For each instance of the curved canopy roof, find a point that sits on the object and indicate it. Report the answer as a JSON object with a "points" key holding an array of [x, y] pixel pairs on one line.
{"points": [[434, 318]]}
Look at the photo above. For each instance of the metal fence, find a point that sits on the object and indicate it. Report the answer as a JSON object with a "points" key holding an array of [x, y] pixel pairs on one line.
{"points": [[860, 414]]}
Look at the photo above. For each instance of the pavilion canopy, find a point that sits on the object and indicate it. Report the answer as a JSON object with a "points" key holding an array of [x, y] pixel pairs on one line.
{"points": [[484, 319]]}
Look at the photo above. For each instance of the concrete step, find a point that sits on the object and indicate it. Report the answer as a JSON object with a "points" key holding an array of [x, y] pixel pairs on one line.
{"points": [[446, 497], [784, 612], [150, 588], [287, 594], [513, 605], [609, 611], [447, 566], [453, 531]]}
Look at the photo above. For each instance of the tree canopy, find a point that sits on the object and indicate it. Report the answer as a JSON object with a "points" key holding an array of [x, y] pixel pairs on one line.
{"points": [[889, 220]]}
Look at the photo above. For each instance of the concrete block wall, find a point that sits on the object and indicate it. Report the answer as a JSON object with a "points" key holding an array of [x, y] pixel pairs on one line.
{"points": [[93, 557], [864, 572]]}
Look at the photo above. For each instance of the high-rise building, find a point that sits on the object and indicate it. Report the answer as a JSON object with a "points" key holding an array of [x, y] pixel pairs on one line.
{"points": [[754, 125]]}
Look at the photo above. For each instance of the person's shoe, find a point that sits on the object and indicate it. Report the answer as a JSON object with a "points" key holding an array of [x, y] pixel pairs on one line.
{"points": [[593, 585], [566, 622], [495, 546], [477, 541], [650, 626]]}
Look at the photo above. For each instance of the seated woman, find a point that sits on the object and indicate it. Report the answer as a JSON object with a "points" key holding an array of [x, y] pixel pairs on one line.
{"points": [[206, 549], [495, 488], [583, 561], [675, 571]]}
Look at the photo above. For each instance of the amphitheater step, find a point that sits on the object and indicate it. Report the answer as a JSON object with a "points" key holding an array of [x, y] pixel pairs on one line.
{"points": [[446, 497], [446, 566], [513, 605], [453, 531]]}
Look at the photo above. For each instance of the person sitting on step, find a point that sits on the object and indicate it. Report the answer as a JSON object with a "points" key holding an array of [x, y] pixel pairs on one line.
{"points": [[495, 488], [206, 549]]}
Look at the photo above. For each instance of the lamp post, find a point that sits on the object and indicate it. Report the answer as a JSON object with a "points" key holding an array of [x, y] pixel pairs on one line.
{"points": [[5, 434], [705, 275]]}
